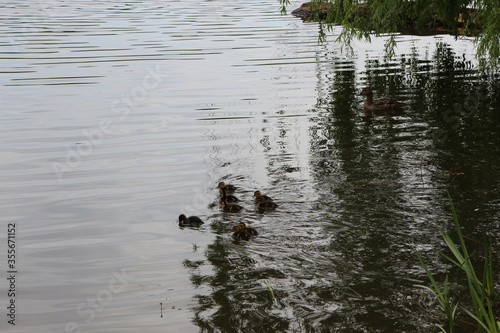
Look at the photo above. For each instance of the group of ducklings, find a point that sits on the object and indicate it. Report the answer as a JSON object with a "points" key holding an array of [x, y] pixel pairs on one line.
{"points": [[229, 203]]}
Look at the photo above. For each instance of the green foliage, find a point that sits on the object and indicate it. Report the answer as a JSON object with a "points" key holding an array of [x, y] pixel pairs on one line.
{"points": [[284, 3], [443, 296], [480, 18], [488, 45], [481, 291]]}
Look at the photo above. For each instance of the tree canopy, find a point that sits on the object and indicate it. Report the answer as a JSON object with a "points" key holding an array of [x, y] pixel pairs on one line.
{"points": [[479, 18]]}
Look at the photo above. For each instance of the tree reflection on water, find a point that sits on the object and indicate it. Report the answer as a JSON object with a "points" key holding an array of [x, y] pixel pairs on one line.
{"points": [[344, 258]]}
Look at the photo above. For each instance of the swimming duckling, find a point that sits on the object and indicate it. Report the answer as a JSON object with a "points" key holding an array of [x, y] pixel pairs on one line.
{"points": [[266, 205], [259, 197], [250, 230], [227, 197], [228, 188], [192, 221], [230, 207], [239, 233], [384, 104]]}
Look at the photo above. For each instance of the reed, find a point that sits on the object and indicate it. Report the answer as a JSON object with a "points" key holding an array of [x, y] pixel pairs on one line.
{"points": [[270, 288], [443, 297], [481, 290]]}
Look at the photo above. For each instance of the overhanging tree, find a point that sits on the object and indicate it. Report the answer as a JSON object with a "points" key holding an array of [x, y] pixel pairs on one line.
{"points": [[478, 18]]}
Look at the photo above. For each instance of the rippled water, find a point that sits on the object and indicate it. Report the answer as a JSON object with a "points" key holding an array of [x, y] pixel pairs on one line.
{"points": [[119, 116]]}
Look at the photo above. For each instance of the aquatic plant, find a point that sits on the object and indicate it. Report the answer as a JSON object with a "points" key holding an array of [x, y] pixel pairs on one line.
{"points": [[481, 291]]}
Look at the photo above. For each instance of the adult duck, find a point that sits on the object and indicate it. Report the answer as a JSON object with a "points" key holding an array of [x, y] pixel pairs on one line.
{"points": [[384, 104]]}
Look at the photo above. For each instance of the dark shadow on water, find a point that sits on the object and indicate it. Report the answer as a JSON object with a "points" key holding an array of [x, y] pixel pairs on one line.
{"points": [[346, 260]]}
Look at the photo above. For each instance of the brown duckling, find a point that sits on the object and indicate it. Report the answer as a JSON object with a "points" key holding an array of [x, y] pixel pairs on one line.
{"points": [[192, 221], [384, 104], [266, 205], [240, 234], [259, 197], [230, 207], [227, 187], [227, 197], [250, 230]]}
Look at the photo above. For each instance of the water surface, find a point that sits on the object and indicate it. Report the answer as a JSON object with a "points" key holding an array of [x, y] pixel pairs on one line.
{"points": [[118, 117]]}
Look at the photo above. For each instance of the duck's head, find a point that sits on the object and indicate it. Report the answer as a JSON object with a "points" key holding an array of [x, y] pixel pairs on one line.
{"points": [[223, 204], [221, 185], [366, 92], [182, 218], [257, 194], [236, 229], [242, 225]]}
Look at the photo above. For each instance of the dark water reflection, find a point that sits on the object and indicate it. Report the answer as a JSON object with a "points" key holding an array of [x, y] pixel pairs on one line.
{"points": [[342, 258]]}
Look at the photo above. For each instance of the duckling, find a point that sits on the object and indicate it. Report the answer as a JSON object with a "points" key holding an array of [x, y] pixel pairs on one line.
{"points": [[192, 221], [249, 230], [240, 234], [227, 197], [260, 197], [384, 104], [230, 207], [266, 205], [227, 187]]}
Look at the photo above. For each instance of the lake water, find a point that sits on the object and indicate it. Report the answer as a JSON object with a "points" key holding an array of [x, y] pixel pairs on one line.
{"points": [[119, 116]]}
